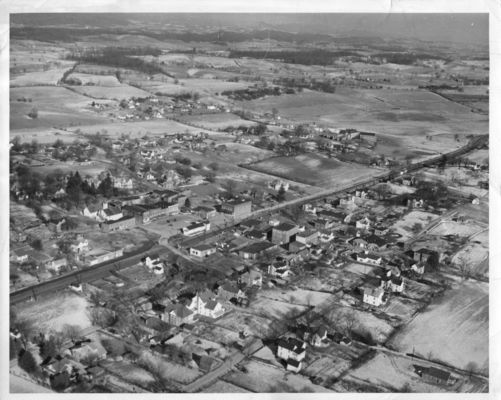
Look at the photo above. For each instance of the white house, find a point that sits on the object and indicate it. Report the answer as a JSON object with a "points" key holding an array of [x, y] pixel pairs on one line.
{"points": [[56, 265], [373, 296], [195, 228], [202, 250], [393, 283], [364, 223], [251, 278], [80, 246], [418, 268], [205, 304], [293, 351], [367, 258]]}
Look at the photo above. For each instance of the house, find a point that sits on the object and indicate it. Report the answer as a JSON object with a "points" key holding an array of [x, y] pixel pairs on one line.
{"points": [[125, 222], [326, 237], [196, 228], [435, 376], [371, 259], [229, 291], [91, 211], [102, 257], [251, 277], [56, 265], [123, 183], [277, 184], [293, 351], [364, 224], [238, 207], [283, 233], [110, 214], [393, 283], [317, 337], [254, 250], [86, 349], [250, 224], [373, 296], [381, 230], [375, 243], [279, 269], [178, 314], [21, 255], [80, 246], [307, 237], [418, 268], [424, 255], [202, 250], [358, 242], [309, 209], [205, 212]]}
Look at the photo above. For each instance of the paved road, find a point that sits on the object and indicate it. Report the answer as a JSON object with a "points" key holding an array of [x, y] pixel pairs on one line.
{"points": [[223, 369], [84, 275]]}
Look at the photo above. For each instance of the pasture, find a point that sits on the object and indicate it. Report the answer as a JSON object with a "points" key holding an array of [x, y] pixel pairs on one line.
{"points": [[55, 105]]}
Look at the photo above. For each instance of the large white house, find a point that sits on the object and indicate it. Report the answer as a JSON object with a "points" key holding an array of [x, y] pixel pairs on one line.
{"points": [[373, 296], [293, 351], [205, 303], [196, 228]]}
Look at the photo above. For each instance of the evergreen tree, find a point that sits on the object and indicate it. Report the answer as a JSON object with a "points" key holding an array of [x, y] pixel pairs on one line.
{"points": [[281, 194], [27, 362]]}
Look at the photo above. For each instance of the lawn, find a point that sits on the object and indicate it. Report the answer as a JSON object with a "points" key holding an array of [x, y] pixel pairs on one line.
{"points": [[116, 92], [52, 313], [262, 378], [405, 224], [454, 329]]}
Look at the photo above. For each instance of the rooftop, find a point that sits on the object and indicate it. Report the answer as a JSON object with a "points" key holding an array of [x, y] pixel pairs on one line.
{"points": [[257, 247]]}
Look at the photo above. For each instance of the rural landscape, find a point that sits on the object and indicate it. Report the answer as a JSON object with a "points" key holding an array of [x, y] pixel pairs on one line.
{"points": [[246, 204]]}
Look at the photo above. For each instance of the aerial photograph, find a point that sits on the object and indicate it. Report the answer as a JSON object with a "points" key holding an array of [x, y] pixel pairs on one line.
{"points": [[248, 203]]}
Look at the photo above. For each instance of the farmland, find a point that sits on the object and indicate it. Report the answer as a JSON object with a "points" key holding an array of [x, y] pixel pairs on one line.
{"points": [[328, 172], [460, 326]]}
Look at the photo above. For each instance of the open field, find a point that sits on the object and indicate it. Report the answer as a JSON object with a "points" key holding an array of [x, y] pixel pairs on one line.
{"points": [[130, 372], [57, 106], [141, 128], [50, 77], [52, 313], [456, 228], [389, 111], [98, 80], [217, 121], [261, 377], [238, 321], [299, 296], [328, 171], [392, 373], [274, 309], [44, 136], [116, 92], [405, 224], [454, 329], [172, 371]]}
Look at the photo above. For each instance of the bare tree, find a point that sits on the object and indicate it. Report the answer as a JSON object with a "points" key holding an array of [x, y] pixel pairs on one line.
{"points": [[464, 267], [71, 332], [348, 323]]}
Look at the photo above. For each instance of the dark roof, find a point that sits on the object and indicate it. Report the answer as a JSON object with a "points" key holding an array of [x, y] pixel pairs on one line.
{"points": [[257, 247], [204, 208], [426, 251], [293, 362], [292, 344], [284, 227], [203, 247], [375, 239], [211, 304], [371, 256], [437, 373], [234, 202], [250, 223]]}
